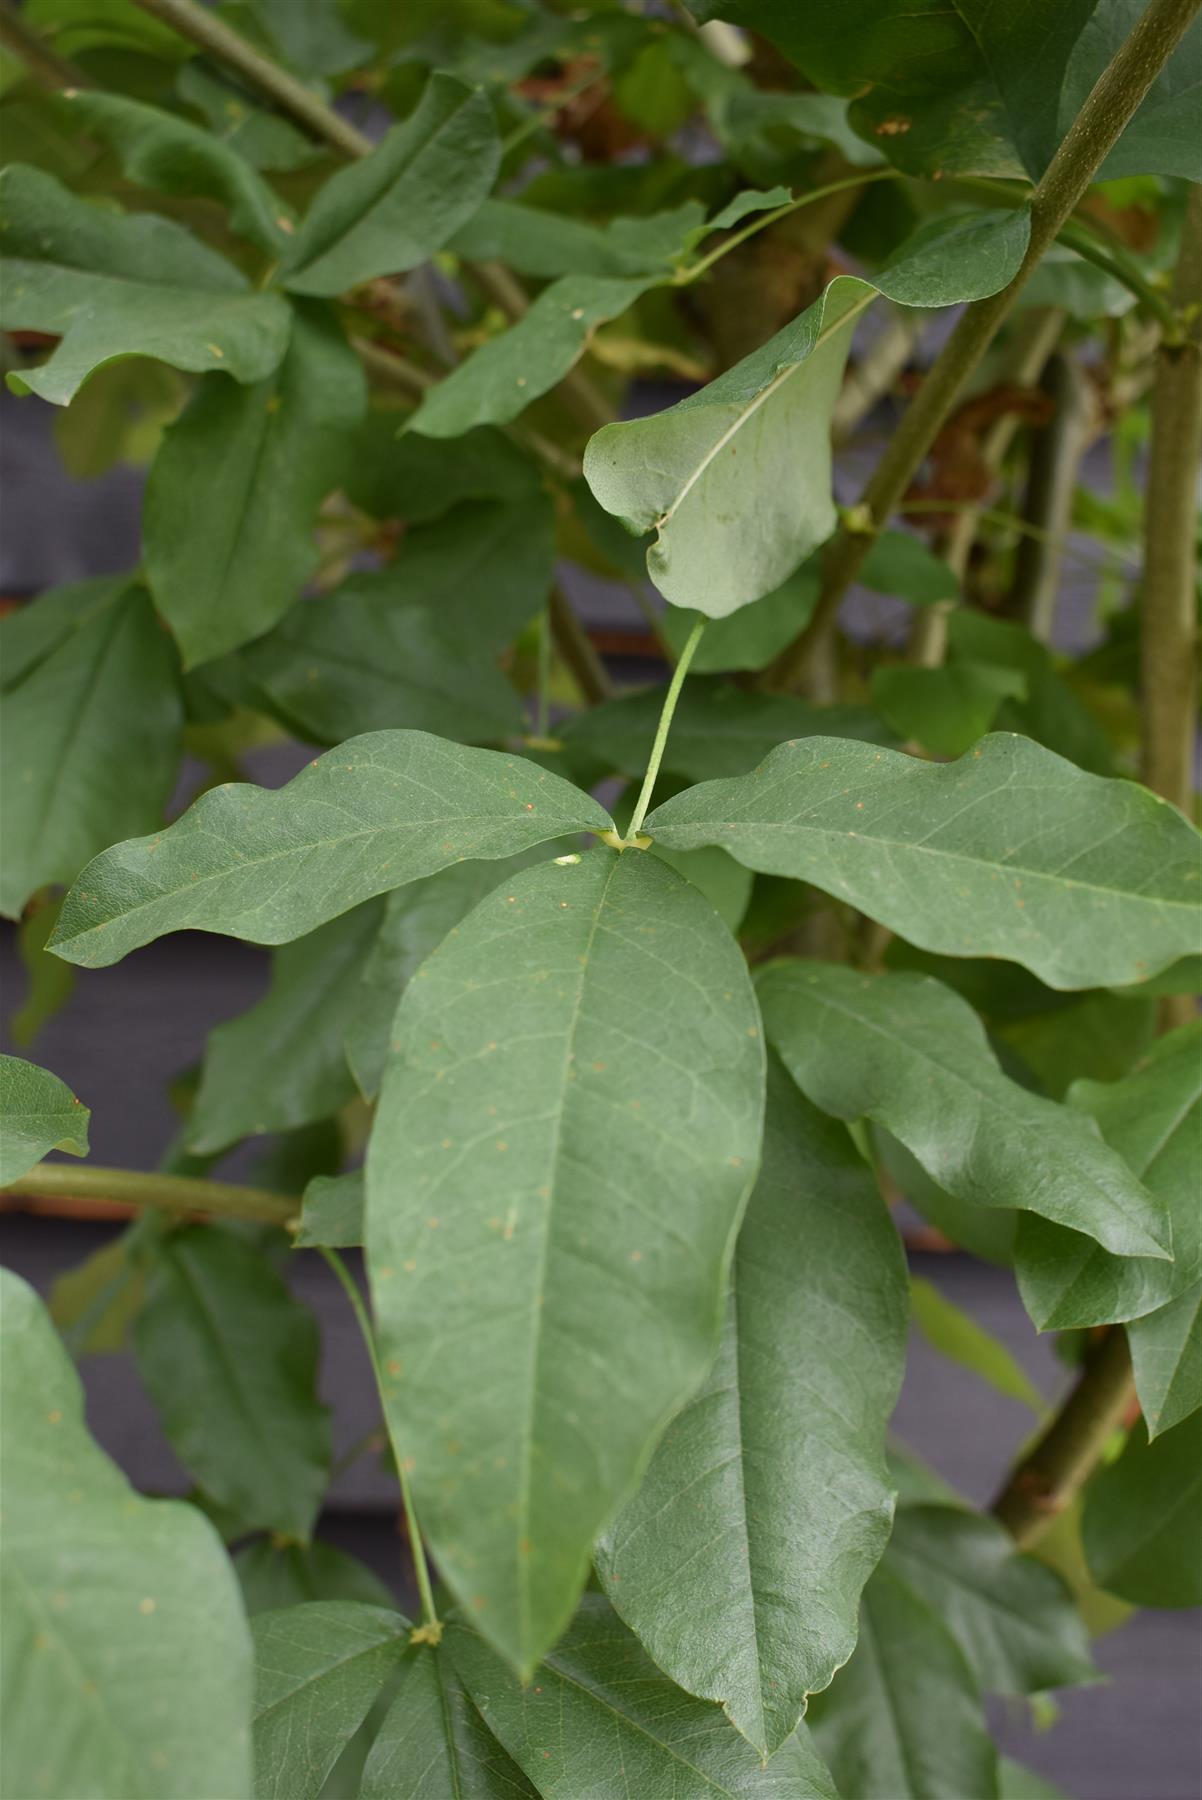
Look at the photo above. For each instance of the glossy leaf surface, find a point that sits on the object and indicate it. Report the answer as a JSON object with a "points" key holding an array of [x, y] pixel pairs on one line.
{"points": [[909, 1054], [127, 1653], [740, 1560], [1009, 852], [270, 865], [568, 1128]]}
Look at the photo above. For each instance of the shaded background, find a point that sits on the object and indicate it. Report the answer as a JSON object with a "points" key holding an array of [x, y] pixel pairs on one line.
{"points": [[131, 1029]]}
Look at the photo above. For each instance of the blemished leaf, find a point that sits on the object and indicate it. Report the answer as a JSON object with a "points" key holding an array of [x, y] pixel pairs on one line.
{"points": [[279, 1575], [740, 1560], [568, 1126], [318, 1669], [281, 1063], [122, 1630], [332, 1211], [417, 919], [703, 474], [92, 739], [1010, 852], [502, 377], [160, 150], [1013, 1617], [434, 1742], [38, 1112], [394, 208], [362, 659], [312, 35], [956, 1335], [230, 1360], [1140, 1524], [116, 285], [906, 1052], [235, 487], [416, 478], [269, 865], [904, 1717], [600, 1719], [534, 242], [947, 709], [1153, 1119], [717, 730]]}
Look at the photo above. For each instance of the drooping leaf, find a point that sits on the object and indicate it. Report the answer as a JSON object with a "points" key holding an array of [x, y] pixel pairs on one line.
{"points": [[567, 1130], [281, 1063], [160, 150], [600, 1719], [417, 919], [740, 1560], [704, 474], [956, 1335], [235, 488], [1153, 1119], [1009, 852], [230, 1360], [38, 1112], [278, 1575], [717, 730], [904, 1717], [318, 1669], [909, 1054], [126, 1653], [394, 208], [1140, 1524], [1013, 1617], [332, 1211], [505, 374], [116, 285], [91, 740], [433, 1742], [268, 866]]}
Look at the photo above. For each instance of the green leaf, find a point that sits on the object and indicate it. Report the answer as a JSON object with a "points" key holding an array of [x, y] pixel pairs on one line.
{"points": [[1039, 704], [234, 490], [94, 1304], [1140, 1525], [281, 1063], [900, 564], [418, 479], [92, 739], [312, 35], [958, 1337], [534, 242], [1014, 1618], [123, 1636], [740, 1560], [703, 474], [483, 570], [1153, 1119], [433, 1742], [35, 631], [946, 709], [268, 866], [904, 1717], [278, 1575], [601, 1719], [1010, 852], [263, 138], [118, 417], [985, 1232], [115, 285], [568, 1128], [502, 377], [318, 1669], [49, 981], [717, 730], [332, 1211], [1017, 1783], [417, 919], [394, 208], [160, 150], [912, 1056], [1099, 1036], [230, 1360], [752, 637], [38, 1112]]}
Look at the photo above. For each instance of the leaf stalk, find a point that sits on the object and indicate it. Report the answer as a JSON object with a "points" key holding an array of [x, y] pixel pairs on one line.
{"points": [[661, 735]]}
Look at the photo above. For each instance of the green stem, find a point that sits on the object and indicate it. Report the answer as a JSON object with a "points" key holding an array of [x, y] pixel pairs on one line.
{"points": [[1076, 234], [684, 276], [1101, 121], [661, 731], [180, 1194], [432, 1629], [202, 26], [991, 515]]}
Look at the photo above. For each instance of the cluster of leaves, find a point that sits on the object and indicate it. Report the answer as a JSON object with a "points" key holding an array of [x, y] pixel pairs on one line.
{"points": [[639, 1307]]}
